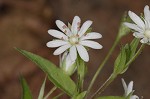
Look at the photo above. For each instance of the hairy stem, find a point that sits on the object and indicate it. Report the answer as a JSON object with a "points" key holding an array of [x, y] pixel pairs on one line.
{"points": [[105, 85], [101, 66]]}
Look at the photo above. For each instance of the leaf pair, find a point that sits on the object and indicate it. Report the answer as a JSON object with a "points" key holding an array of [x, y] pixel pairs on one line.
{"points": [[124, 58]]}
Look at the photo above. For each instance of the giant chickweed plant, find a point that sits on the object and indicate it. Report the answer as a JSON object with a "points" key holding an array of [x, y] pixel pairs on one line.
{"points": [[72, 42]]}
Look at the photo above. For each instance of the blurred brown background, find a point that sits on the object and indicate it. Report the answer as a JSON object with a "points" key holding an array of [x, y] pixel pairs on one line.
{"points": [[24, 24]]}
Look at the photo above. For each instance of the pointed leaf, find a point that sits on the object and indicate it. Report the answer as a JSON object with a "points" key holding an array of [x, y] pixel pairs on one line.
{"points": [[26, 94], [120, 62], [133, 46], [55, 75]]}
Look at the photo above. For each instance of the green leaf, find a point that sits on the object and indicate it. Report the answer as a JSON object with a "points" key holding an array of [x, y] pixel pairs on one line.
{"points": [[41, 93], [111, 97], [26, 94], [130, 51], [133, 46], [120, 61], [80, 96], [55, 75], [126, 54]]}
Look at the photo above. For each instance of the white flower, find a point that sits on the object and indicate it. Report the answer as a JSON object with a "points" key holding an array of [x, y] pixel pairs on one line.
{"points": [[66, 64], [141, 26], [74, 38], [129, 89]]}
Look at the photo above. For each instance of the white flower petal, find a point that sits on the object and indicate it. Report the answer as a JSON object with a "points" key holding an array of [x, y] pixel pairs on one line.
{"points": [[57, 34], [147, 13], [91, 44], [73, 53], [144, 40], [130, 88], [84, 27], [136, 19], [56, 43], [83, 53], [134, 97], [133, 26], [63, 27], [75, 25], [138, 35], [124, 86], [61, 49], [92, 35]]}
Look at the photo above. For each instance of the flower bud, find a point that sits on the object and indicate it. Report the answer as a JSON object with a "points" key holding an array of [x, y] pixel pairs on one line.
{"points": [[67, 65]]}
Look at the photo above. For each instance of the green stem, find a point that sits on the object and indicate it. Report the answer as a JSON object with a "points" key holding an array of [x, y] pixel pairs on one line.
{"points": [[105, 85], [50, 92], [113, 76], [81, 73], [101, 66]]}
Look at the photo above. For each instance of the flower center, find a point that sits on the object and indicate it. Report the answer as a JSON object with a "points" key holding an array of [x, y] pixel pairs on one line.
{"points": [[73, 40], [147, 33]]}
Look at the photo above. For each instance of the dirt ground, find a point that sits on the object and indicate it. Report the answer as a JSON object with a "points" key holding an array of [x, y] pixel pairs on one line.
{"points": [[24, 24]]}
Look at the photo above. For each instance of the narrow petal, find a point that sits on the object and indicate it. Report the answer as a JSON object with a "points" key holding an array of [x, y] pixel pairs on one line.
{"points": [[61, 49], [84, 27], [91, 44], [63, 27], [56, 43], [57, 34], [136, 19], [124, 86], [147, 13], [133, 26], [130, 88], [138, 35], [83, 53], [75, 25], [73, 53], [92, 35], [144, 40]]}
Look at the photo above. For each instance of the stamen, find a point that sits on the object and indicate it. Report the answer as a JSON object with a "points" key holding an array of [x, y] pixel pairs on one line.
{"points": [[62, 38], [77, 35], [78, 28], [79, 23], [65, 31], [64, 26]]}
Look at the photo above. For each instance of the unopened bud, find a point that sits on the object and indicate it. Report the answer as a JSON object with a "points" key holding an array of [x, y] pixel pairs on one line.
{"points": [[67, 65]]}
